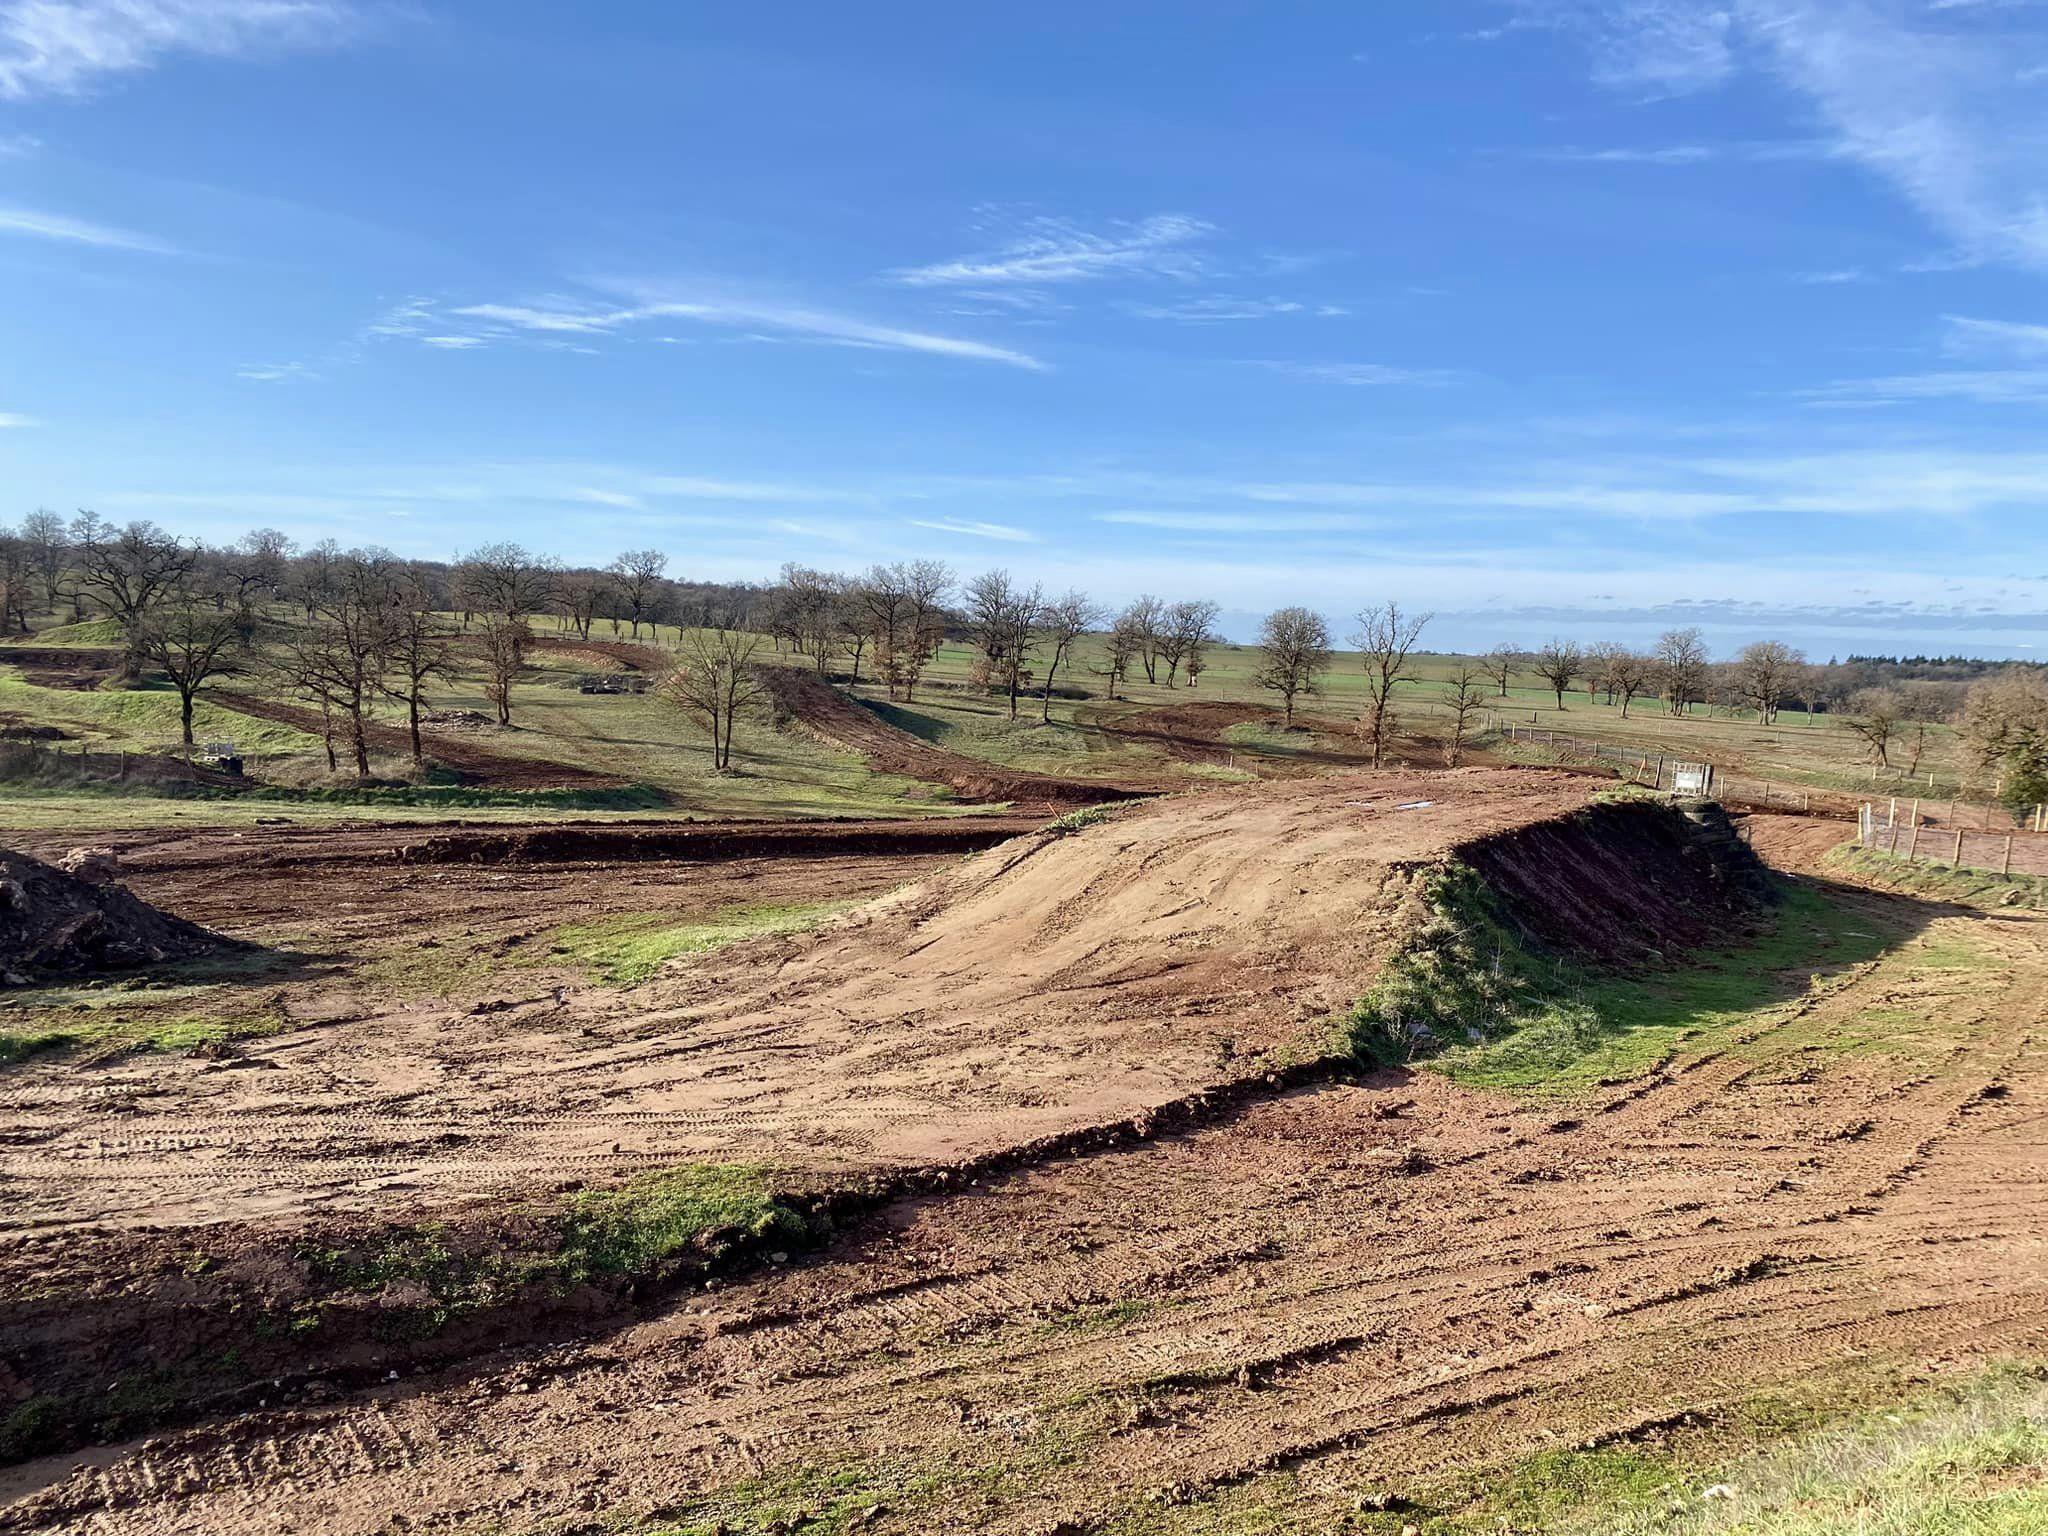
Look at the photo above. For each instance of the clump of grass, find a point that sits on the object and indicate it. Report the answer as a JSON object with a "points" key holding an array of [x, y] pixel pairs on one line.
{"points": [[1079, 820], [649, 1222], [635, 1233], [89, 1029], [1969, 1458], [627, 949]]}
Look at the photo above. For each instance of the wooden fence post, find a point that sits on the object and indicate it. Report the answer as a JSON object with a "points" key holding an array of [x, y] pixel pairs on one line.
{"points": [[1957, 861], [1913, 841], [2005, 866]]}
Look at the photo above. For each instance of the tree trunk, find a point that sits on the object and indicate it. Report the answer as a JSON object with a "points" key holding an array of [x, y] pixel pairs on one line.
{"points": [[185, 712], [412, 713]]}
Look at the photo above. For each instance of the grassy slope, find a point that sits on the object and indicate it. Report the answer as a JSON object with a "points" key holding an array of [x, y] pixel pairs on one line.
{"points": [[784, 773]]}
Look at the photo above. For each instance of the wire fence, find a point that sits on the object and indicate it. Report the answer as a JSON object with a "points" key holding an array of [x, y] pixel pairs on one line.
{"points": [[1919, 839], [54, 761], [1664, 771]]}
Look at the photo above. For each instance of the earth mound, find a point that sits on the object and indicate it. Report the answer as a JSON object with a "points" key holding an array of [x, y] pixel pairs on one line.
{"points": [[53, 922]]}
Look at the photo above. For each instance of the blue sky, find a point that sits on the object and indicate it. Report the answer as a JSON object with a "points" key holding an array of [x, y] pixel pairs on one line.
{"points": [[1586, 316]]}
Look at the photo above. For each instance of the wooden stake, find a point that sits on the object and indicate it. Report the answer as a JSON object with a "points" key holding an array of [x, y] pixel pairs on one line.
{"points": [[1957, 861], [2005, 866]]}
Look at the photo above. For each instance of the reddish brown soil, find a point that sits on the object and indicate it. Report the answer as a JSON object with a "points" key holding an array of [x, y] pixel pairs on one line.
{"points": [[53, 923], [477, 764], [1049, 984], [839, 721], [1335, 1294], [368, 885]]}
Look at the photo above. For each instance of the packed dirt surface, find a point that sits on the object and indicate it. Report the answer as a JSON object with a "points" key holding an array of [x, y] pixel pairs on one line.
{"points": [[842, 722], [1193, 731], [1051, 983], [1313, 1305], [54, 922], [477, 764], [369, 884], [77, 667]]}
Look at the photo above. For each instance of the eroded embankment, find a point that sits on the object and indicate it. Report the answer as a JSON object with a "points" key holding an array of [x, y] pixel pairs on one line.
{"points": [[1062, 995]]}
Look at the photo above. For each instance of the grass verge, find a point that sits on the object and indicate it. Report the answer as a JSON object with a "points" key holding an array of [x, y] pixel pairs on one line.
{"points": [[1969, 887], [1472, 998]]}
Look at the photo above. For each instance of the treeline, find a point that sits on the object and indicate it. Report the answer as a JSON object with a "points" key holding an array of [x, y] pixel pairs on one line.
{"points": [[348, 630], [345, 630]]}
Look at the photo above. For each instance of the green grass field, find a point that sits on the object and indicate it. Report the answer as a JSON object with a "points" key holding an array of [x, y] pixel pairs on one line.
{"points": [[645, 740]]}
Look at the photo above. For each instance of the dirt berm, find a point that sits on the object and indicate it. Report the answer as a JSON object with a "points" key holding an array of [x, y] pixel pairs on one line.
{"points": [[55, 923], [1060, 992], [842, 722]]}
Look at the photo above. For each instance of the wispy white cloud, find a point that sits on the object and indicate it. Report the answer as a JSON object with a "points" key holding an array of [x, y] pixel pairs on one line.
{"points": [[1654, 47], [18, 146], [1833, 277], [58, 226], [2001, 386], [998, 531], [1358, 375], [795, 322], [1749, 151], [14, 419], [1242, 522], [1041, 250], [452, 343], [1216, 307], [62, 47], [1938, 110], [275, 373], [1967, 334]]}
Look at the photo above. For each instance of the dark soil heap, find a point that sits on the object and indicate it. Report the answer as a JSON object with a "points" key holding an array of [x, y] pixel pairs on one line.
{"points": [[54, 923]]}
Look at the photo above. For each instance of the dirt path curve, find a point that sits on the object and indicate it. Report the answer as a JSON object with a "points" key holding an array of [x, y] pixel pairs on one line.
{"points": [[1337, 1292], [842, 722]]}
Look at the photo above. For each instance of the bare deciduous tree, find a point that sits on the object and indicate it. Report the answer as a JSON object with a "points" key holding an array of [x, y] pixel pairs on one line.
{"points": [[1501, 664], [1679, 666], [638, 576], [1464, 696], [190, 639], [419, 648], [1385, 638], [714, 678], [1763, 673], [1294, 652], [1184, 630], [1559, 663], [1873, 717], [1063, 623], [1145, 617], [1003, 618], [1123, 648], [128, 571]]}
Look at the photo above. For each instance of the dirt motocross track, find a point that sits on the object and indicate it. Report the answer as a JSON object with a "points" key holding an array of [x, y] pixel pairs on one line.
{"points": [[842, 722], [1329, 1295], [1051, 983]]}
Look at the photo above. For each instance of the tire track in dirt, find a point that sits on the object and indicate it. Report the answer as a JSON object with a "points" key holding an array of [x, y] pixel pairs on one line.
{"points": [[1292, 1298]]}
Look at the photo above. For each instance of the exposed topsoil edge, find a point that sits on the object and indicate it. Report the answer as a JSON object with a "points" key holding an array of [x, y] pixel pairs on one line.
{"points": [[53, 923], [203, 1320]]}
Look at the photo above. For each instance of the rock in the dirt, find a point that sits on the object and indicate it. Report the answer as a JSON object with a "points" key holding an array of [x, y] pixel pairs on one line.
{"points": [[54, 922], [95, 866]]}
